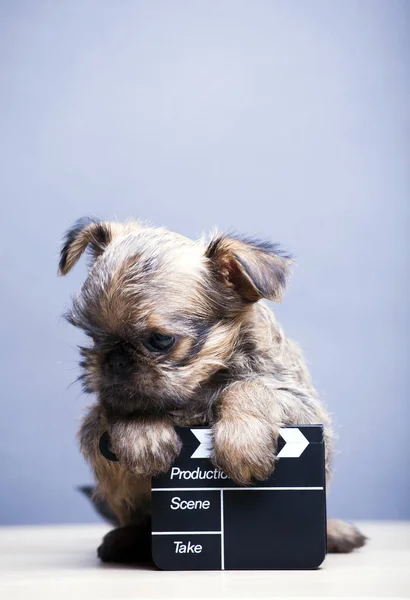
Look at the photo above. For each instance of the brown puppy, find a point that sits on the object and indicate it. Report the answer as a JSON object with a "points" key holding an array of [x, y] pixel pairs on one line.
{"points": [[178, 336]]}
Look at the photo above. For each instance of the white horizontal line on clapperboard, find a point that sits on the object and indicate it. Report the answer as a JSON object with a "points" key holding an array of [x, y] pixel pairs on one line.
{"points": [[236, 489], [186, 532]]}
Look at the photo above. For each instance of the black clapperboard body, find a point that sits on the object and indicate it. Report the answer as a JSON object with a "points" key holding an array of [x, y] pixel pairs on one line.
{"points": [[202, 520]]}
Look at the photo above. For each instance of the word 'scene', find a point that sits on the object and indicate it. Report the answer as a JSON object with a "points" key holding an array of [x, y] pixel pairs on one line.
{"points": [[181, 548], [178, 504]]}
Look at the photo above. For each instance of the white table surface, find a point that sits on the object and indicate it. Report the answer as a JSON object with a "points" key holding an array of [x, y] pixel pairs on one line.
{"points": [[60, 563]]}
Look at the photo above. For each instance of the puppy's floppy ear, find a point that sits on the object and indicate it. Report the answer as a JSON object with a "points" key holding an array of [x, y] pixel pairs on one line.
{"points": [[85, 233], [255, 269]]}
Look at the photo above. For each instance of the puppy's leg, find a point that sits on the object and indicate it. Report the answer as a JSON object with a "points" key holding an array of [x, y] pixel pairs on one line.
{"points": [[343, 537], [128, 544], [245, 433], [145, 446], [127, 495], [249, 416]]}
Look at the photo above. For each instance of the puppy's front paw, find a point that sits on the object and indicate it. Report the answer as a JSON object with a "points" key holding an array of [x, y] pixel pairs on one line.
{"points": [[130, 544], [343, 537], [145, 446], [244, 449]]}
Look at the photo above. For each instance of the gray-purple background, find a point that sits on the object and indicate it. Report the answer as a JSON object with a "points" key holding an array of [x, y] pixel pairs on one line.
{"points": [[289, 120]]}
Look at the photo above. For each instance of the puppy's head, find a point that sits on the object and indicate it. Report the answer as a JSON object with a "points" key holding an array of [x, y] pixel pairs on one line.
{"points": [[164, 314]]}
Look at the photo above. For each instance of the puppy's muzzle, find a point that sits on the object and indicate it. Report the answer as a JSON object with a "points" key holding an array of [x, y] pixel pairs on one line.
{"points": [[118, 362]]}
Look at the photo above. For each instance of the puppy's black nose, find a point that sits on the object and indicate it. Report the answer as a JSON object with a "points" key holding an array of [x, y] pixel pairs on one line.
{"points": [[118, 361]]}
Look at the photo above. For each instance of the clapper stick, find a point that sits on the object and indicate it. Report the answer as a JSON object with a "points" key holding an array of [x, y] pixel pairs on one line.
{"points": [[202, 520]]}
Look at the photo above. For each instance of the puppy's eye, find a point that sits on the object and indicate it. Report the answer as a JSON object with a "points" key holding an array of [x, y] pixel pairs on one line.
{"points": [[159, 342]]}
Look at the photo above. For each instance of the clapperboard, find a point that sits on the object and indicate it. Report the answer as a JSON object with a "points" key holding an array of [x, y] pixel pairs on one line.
{"points": [[203, 520]]}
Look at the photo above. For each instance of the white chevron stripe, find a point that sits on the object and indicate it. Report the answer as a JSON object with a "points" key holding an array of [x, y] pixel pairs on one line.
{"points": [[296, 442], [204, 437]]}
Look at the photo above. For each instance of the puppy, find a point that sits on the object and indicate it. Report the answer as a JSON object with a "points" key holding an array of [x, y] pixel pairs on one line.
{"points": [[178, 337]]}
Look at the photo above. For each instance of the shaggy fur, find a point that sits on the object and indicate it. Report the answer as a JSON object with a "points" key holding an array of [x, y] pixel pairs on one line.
{"points": [[229, 364]]}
